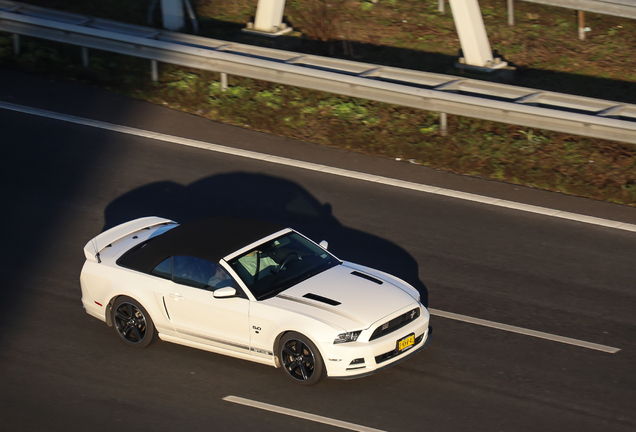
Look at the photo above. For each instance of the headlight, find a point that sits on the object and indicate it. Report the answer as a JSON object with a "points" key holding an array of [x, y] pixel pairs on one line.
{"points": [[347, 337]]}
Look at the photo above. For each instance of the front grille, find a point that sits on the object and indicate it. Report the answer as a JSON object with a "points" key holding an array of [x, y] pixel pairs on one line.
{"points": [[389, 355], [395, 323]]}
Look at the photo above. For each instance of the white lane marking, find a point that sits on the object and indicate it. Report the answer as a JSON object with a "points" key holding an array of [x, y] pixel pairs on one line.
{"points": [[360, 176], [523, 331], [299, 414], [323, 168]]}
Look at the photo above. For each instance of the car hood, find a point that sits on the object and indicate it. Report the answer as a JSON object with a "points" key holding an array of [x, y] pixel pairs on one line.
{"points": [[346, 296]]}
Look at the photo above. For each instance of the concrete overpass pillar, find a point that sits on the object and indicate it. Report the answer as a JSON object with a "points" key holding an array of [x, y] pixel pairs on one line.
{"points": [[269, 18], [172, 14], [472, 36]]}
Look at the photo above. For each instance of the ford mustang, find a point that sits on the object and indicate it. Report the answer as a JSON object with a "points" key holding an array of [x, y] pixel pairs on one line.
{"points": [[252, 290]]}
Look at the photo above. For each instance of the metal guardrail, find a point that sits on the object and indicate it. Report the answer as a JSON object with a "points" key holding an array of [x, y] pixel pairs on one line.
{"points": [[432, 92], [619, 8]]}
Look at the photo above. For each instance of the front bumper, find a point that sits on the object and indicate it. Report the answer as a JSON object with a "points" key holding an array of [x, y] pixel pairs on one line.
{"points": [[368, 358]]}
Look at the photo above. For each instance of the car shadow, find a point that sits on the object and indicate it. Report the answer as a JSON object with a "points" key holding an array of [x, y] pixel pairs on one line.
{"points": [[268, 198]]}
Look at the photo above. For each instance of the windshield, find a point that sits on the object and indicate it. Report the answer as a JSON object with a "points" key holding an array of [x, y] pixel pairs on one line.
{"points": [[281, 263]]}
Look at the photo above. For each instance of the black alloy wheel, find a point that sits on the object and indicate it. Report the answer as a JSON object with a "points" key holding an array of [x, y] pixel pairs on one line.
{"points": [[132, 322], [300, 358]]}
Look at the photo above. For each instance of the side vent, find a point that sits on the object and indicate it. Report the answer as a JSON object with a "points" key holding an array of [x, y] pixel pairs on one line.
{"points": [[321, 299], [367, 277]]}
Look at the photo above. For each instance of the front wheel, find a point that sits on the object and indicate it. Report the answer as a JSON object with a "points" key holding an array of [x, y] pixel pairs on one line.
{"points": [[300, 359], [132, 322]]}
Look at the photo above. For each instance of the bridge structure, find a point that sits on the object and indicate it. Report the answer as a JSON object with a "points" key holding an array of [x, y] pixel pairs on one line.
{"points": [[421, 90]]}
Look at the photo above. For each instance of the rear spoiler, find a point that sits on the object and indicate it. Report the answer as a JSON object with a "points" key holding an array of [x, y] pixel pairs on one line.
{"points": [[96, 245]]}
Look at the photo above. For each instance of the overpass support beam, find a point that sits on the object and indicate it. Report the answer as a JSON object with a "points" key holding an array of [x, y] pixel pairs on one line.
{"points": [[172, 14], [471, 30], [269, 19]]}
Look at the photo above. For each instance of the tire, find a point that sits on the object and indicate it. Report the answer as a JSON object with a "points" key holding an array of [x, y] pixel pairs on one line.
{"points": [[300, 359], [132, 323]]}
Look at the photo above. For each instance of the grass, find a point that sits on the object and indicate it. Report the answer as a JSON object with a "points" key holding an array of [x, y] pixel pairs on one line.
{"points": [[403, 33]]}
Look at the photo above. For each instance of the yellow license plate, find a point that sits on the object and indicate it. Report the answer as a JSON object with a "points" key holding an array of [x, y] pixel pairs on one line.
{"points": [[406, 342]]}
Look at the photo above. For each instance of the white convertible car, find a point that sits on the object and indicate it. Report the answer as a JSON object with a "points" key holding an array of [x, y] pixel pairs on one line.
{"points": [[252, 290]]}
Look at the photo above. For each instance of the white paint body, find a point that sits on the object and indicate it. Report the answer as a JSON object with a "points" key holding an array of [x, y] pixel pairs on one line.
{"points": [[249, 328]]}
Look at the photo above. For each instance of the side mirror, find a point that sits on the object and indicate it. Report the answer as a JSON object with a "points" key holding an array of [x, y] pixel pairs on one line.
{"points": [[323, 244], [225, 292]]}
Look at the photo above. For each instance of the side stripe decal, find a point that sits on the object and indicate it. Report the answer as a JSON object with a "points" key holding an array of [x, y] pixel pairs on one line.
{"points": [[224, 342]]}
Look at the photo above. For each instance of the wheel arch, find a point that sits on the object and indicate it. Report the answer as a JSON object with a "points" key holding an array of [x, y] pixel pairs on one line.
{"points": [[109, 307], [109, 310], [279, 337]]}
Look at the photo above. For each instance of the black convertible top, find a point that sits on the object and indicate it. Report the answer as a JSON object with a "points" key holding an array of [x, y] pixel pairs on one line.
{"points": [[210, 238]]}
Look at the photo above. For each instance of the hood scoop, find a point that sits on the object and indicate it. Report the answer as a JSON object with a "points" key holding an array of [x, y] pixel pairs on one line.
{"points": [[321, 299], [367, 277]]}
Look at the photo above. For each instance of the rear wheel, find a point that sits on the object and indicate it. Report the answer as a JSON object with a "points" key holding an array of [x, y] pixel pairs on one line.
{"points": [[300, 359], [132, 322]]}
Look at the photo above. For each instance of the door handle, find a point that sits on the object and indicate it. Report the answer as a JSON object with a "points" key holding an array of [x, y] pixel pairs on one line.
{"points": [[177, 296]]}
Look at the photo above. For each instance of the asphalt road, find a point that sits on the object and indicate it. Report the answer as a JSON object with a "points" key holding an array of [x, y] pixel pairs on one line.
{"points": [[62, 183]]}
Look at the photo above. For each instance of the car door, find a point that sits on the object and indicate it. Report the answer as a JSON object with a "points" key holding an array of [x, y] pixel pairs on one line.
{"points": [[200, 317]]}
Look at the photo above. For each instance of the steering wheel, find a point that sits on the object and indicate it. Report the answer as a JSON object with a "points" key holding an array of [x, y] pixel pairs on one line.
{"points": [[288, 258]]}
